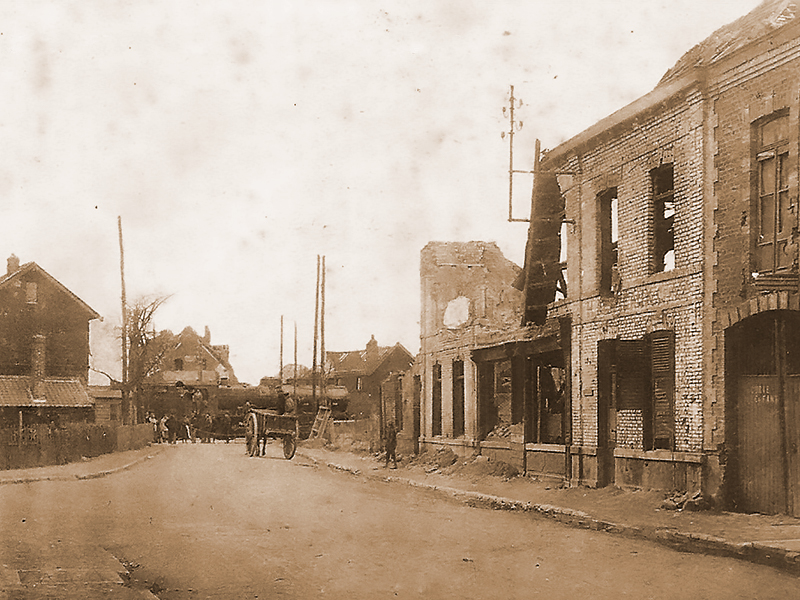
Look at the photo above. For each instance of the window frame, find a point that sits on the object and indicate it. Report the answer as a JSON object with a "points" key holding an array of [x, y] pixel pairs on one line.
{"points": [[608, 227], [773, 226], [641, 377], [662, 182]]}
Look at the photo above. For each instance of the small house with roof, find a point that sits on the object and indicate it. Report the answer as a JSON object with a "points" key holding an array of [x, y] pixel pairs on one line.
{"points": [[363, 371], [44, 349]]}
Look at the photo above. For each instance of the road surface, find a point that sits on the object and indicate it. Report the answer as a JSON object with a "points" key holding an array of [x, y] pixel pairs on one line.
{"points": [[206, 521]]}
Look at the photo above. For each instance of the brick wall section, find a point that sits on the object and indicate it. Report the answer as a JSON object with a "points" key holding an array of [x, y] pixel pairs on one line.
{"points": [[766, 81], [647, 301]]}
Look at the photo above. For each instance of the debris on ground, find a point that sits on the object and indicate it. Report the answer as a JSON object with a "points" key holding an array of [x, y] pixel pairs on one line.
{"points": [[446, 462], [685, 501]]}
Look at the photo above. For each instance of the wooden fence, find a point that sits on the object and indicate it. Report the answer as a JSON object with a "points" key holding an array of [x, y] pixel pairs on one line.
{"points": [[41, 445]]}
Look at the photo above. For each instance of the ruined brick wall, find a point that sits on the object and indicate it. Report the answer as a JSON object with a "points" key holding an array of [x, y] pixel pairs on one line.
{"points": [[467, 301], [646, 301], [754, 85]]}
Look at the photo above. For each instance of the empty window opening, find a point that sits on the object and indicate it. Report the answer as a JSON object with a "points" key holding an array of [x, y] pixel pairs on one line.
{"points": [[436, 416], [662, 180], [501, 417], [458, 398], [546, 424], [609, 240]]}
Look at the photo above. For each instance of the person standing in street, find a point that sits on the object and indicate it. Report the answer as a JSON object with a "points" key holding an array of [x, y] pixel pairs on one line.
{"points": [[390, 441]]}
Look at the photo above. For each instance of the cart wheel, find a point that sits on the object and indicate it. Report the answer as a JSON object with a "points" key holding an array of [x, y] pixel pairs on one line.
{"points": [[251, 435], [289, 446]]}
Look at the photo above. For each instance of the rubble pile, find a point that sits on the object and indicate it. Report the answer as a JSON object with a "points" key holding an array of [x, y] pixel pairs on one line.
{"points": [[447, 462], [504, 430], [685, 501]]}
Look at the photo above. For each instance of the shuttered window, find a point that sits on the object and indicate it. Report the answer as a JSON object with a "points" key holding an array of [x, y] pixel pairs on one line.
{"points": [[641, 377], [662, 352], [633, 374]]}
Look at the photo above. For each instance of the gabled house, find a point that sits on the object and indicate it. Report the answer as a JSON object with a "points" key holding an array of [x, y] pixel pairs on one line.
{"points": [[194, 360], [361, 372], [190, 365], [44, 348]]}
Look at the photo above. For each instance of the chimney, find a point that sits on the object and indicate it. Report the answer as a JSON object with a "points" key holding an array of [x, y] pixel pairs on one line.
{"points": [[13, 265], [37, 367], [207, 336], [372, 347]]}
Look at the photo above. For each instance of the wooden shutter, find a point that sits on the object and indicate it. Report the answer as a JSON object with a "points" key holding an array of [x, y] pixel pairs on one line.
{"points": [[662, 351], [633, 375]]}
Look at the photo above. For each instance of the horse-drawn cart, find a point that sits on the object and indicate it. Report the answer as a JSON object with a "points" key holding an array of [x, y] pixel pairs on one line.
{"points": [[261, 424]]}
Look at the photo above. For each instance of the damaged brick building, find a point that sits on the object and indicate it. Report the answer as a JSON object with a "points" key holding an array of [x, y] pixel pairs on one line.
{"points": [[478, 362], [676, 349]]}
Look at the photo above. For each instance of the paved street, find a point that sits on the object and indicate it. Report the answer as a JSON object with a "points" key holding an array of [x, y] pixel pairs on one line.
{"points": [[205, 521]]}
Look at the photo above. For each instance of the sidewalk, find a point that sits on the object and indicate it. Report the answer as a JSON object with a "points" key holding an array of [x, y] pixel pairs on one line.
{"points": [[102, 465], [772, 540]]}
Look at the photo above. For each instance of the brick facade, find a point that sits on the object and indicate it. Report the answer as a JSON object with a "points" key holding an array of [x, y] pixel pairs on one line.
{"points": [[705, 120]]}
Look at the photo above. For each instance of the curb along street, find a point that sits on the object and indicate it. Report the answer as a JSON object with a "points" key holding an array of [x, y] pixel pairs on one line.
{"points": [[145, 454], [783, 558]]}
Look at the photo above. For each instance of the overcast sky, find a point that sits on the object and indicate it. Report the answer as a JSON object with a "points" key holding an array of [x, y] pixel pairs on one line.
{"points": [[238, 139]]}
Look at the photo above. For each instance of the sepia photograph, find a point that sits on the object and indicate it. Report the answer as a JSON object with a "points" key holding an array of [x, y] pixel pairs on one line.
{"points": [[359, 300]]}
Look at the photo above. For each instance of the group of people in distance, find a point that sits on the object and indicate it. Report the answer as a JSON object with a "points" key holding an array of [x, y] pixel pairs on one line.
{"points": [[170, 429]]}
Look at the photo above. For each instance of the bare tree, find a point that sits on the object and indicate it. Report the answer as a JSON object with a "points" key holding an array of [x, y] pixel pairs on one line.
{"points": [[146, 348]]}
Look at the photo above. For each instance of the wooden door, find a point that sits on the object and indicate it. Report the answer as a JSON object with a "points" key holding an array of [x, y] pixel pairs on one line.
{"points": [[762, 486], [766, 366]]}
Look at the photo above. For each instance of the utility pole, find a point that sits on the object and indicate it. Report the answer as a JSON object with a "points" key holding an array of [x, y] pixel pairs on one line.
{"points": [[316, 333], [322, 334], [280, 372], [124, 302], [514, 103], [294, 381]]}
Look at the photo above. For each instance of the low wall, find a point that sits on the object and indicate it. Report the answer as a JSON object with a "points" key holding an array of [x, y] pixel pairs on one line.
{"points": [[657, 470], [133, 437], [362, 434], [40, 445]]}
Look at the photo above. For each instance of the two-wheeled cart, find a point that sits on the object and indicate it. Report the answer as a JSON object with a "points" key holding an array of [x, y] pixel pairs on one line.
{"points": [[262, 424]]}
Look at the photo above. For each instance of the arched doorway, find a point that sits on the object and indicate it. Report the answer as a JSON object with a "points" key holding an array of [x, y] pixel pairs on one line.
{"points": [[763, 375]]}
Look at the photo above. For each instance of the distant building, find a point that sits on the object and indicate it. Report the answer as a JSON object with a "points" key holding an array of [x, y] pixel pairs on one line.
{"points": [[190, 371], [44, 348], [363, 371], [107, 404]]}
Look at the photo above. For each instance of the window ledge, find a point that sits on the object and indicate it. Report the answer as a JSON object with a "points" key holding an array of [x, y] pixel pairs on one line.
{"points": [[584, 450], [776, 282], [448, 441], [659, 455], [496, 444], [554, 448]]}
